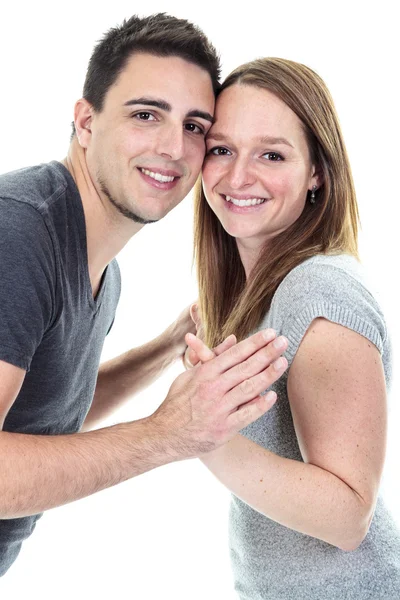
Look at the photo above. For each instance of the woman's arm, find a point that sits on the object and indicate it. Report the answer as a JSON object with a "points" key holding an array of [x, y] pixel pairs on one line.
{"points": [[336, 390]]}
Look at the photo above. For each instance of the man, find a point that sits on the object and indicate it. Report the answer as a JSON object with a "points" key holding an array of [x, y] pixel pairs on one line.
{"points": [[136, 151]]}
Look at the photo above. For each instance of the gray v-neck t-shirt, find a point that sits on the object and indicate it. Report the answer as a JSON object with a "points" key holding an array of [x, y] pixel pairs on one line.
{"points": [[50, 324]]}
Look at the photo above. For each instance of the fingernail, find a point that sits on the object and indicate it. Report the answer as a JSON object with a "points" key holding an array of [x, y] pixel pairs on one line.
{"points": [[270, 396], [269, 334], [280, 343], [279, 364]]}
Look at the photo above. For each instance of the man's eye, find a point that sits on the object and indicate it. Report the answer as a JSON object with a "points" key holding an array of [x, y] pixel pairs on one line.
{"points": [[194, 128], [144, 116], [219, 151], [273, 156]]}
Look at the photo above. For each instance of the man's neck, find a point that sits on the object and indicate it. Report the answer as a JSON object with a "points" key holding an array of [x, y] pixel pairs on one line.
{"points": [[107, 231]]}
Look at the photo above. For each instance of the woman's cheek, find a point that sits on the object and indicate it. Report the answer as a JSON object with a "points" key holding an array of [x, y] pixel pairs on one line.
{"points": [[211, 175]]}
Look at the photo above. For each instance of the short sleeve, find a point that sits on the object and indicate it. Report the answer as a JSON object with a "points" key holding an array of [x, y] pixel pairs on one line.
{"points": [[27, 281], [330, 292]]}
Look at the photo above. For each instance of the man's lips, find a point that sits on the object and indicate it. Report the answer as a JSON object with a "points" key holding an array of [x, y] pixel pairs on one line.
{"points": [[162, 179], [162, 172]]}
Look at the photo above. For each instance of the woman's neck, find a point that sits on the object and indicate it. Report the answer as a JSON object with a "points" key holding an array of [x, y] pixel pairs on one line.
{"points": [[249, 252]]}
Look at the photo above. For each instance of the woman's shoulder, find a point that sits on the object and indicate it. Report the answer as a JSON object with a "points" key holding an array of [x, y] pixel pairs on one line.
{"points": [[334, 287], [327, 268], [328, 278]]}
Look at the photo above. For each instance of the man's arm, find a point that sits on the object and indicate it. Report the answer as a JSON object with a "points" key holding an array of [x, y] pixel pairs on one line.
{"points": [[205, 407], [128, 374]]}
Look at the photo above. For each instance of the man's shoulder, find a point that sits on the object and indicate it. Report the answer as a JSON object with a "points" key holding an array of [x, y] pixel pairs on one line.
{"points": [[36, 186]]}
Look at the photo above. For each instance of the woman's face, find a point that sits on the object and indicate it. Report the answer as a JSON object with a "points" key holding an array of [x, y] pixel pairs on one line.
{"points": [[257, 170]]}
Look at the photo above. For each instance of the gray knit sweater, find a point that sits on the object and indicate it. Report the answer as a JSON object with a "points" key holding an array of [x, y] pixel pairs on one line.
{"points": [[271, 561]]}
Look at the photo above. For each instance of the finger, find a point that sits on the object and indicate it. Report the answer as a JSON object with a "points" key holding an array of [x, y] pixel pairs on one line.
{"points": [[251, 411], [240, 352], [193, 357], [203, 352], [251, 388], [190, 358], [257, 363], [195, 314], [225, 345]]}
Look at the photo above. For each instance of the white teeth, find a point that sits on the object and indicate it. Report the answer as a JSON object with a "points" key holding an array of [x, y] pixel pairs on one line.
{"points": [[157, 176], [250, 202]]}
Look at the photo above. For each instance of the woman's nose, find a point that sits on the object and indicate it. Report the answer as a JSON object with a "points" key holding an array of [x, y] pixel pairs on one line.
{"points": [[240, 174]]}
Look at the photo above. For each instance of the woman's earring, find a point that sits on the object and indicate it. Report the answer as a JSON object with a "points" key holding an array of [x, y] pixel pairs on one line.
{"points": [[312, 197]]}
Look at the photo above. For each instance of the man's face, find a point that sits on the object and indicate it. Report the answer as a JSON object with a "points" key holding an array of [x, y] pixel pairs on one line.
{"points": [[147, 145]]}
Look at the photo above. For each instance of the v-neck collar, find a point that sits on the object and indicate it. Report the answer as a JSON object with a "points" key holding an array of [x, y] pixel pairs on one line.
{"points": [[94, 302]]}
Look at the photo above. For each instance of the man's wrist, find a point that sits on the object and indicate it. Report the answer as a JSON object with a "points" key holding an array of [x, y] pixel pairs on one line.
{"points": [[175, 338], [164, 444]]}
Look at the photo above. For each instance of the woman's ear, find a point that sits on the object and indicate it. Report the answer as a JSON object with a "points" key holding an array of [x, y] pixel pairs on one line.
{"points": [[316, 179]]}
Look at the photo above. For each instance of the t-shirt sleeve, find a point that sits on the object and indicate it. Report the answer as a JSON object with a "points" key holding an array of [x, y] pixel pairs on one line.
{"points": [[27, 281], [321, 290]]}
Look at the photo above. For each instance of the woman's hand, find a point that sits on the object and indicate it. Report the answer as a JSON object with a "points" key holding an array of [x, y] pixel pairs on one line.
{"points": [[196, 350], [190, 358], [202, 353]]}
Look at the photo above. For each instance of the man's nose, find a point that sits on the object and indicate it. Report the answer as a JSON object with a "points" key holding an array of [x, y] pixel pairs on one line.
{"points": [[170, 142]]}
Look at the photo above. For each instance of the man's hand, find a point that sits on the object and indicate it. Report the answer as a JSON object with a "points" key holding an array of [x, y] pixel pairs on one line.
{"points": [[209, 404], [205, 407]]}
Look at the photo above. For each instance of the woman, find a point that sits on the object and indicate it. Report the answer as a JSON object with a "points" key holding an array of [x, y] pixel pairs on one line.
{"points": [[276, 246]]}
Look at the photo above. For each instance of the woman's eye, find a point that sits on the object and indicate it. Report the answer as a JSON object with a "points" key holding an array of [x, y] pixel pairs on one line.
{"points": [[144, 116], [273, 156], [219, 151], [194, 128]]}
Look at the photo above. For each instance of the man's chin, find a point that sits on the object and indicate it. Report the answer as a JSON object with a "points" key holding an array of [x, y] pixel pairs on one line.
{"points": [[130, 214]]}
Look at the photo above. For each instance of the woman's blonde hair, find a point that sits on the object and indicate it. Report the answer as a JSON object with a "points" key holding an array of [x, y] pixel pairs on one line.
{"points": [[228, 303]]}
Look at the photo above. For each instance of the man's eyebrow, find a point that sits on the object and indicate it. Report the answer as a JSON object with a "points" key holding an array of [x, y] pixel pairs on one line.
{"points": [[201, 115], [150, 102], [163, 105]]}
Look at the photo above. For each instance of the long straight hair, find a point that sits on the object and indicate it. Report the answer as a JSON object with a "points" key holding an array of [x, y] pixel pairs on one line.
{"points": [[228, 302]]}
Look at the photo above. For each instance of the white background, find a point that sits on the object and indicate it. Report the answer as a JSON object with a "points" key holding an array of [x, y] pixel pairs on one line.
{"points": [[163, 535]]}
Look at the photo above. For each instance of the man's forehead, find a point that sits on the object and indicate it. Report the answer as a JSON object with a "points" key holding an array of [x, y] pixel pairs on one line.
{"points": [[149, 75]]}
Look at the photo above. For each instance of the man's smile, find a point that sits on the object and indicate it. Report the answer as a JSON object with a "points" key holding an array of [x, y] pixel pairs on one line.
{"points": [[161, 178]]}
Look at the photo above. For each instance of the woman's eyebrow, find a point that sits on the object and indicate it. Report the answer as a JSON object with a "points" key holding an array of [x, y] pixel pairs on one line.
{"points": [[267, 139], [218, 137]]}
